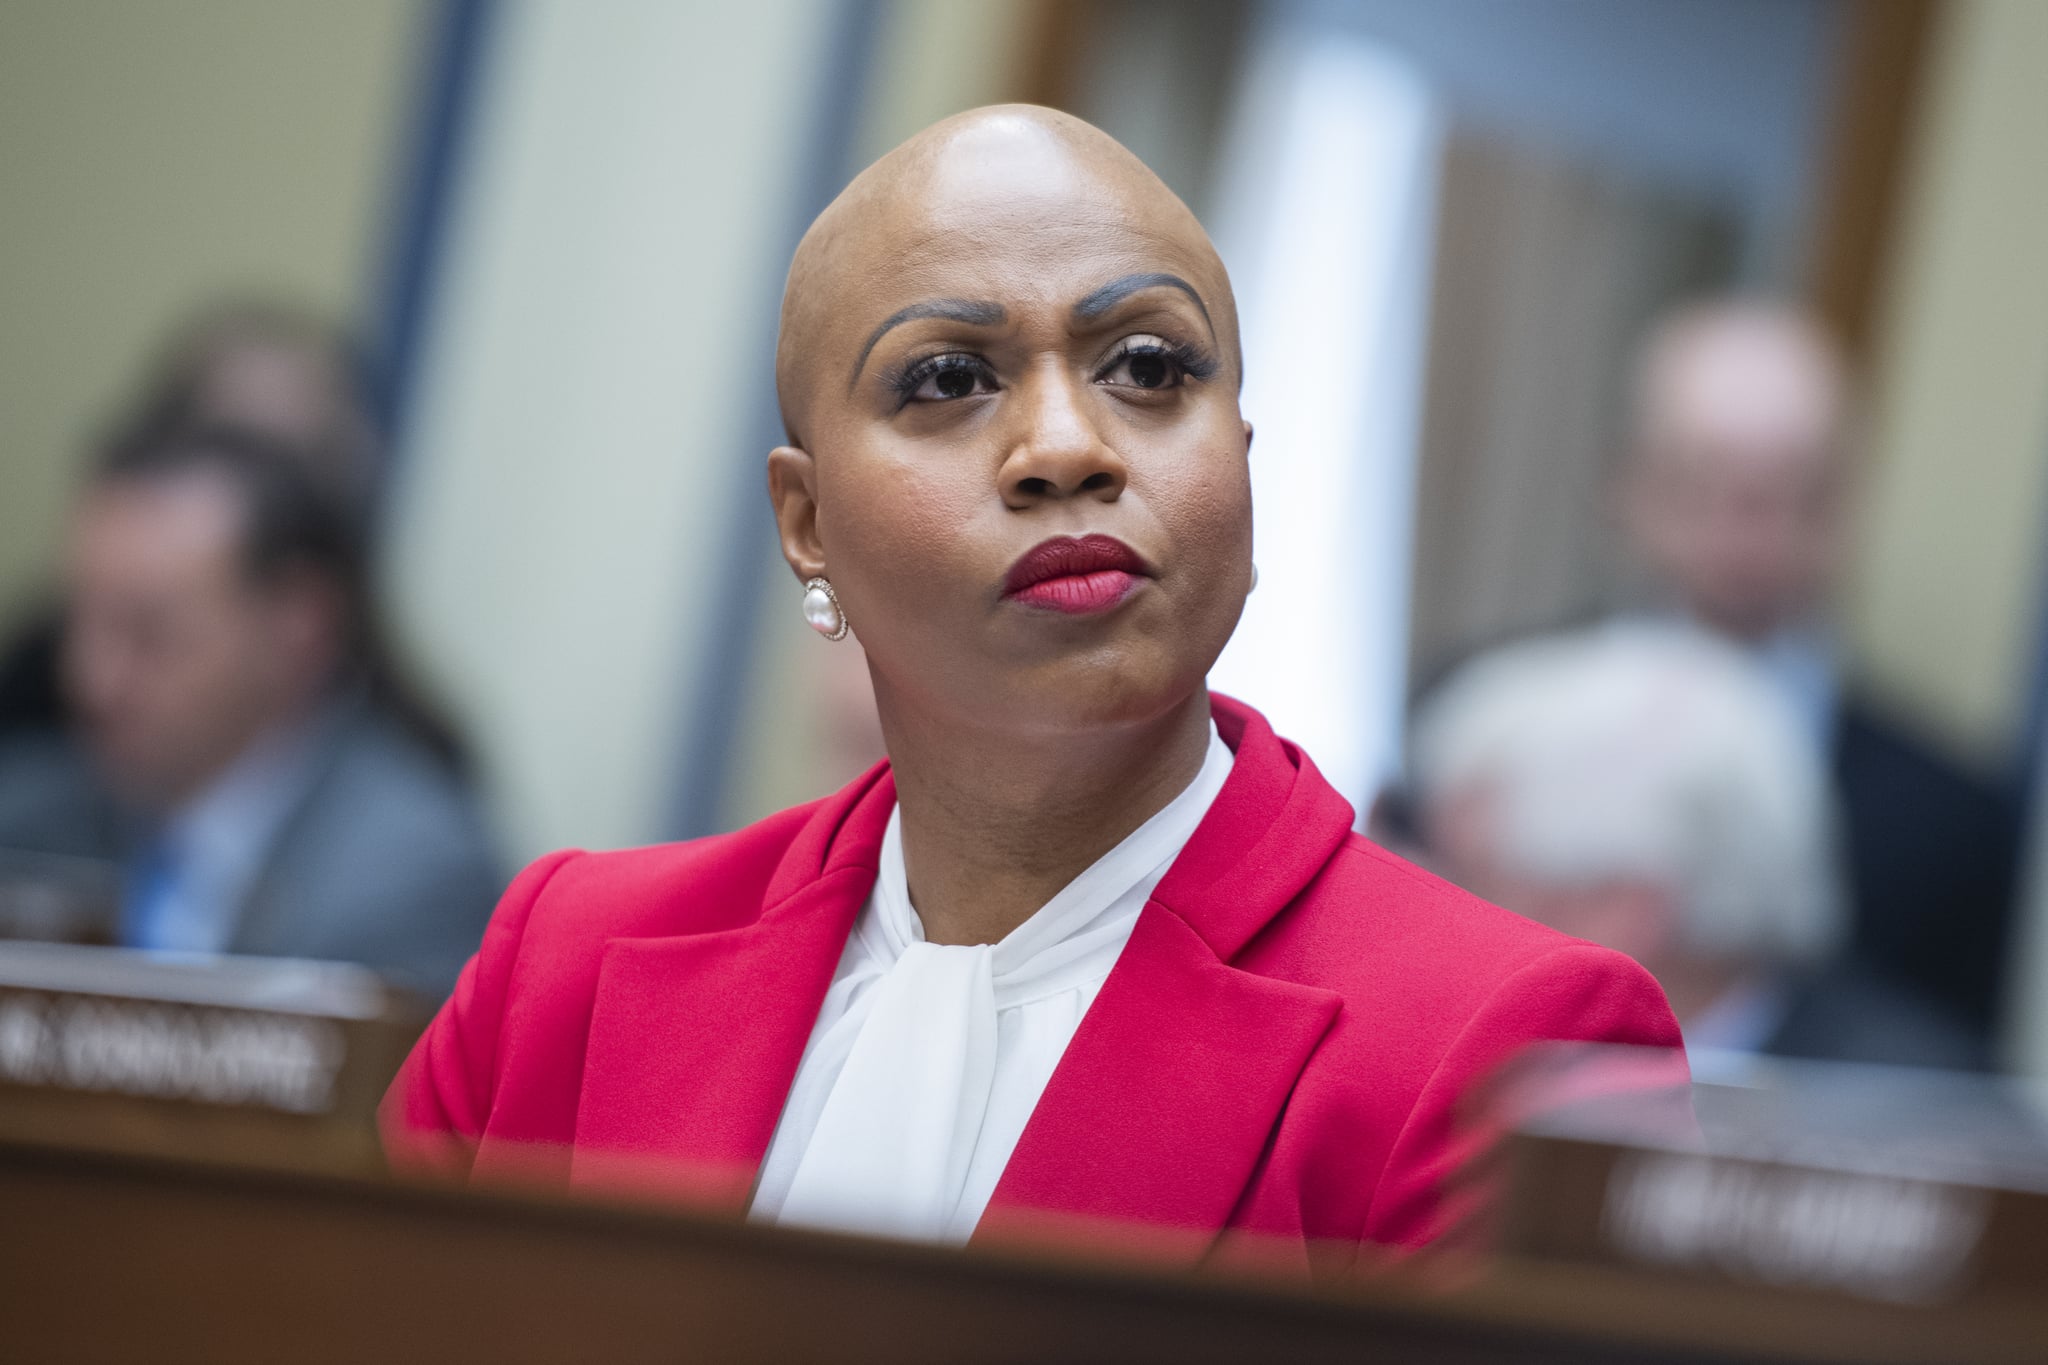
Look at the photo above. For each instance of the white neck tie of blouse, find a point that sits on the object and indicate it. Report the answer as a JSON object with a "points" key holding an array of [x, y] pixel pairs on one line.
{"points": [[927, 1059]]}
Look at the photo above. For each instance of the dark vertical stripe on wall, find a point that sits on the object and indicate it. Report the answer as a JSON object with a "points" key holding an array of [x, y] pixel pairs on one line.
{"points": [[451, 70], [748, 561], [2030, 765]]}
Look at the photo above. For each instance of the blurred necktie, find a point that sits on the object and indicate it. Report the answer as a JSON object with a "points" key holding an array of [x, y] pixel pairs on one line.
{"points": [[149, 893]]}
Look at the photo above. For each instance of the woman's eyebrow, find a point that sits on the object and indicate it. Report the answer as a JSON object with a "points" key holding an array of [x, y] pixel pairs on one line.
{"points": [[953, 310], [1116, 291]]}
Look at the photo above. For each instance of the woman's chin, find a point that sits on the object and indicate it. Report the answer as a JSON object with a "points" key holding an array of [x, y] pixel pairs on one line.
{"points": [[1093, 694]]}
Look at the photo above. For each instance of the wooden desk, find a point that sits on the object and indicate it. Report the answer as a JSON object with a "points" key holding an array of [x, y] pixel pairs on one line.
{"points": [[112, 1256], [171, 1190]]}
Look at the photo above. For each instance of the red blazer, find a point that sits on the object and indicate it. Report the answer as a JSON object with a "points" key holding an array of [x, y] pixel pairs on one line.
{"points": [[1279, 1050]]}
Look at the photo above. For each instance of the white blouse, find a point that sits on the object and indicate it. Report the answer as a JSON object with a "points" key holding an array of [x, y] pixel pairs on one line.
{"points": [[927, 1059]]}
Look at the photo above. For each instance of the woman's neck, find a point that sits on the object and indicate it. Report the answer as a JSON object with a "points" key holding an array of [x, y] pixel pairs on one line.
{"points": [[995, 824]]}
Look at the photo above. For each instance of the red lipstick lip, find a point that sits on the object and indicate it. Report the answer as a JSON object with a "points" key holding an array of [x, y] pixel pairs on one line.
{"points": [[1076, 575]]}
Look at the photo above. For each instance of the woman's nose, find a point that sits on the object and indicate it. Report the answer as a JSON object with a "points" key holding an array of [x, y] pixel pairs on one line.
{"points": [[1057, 450]]}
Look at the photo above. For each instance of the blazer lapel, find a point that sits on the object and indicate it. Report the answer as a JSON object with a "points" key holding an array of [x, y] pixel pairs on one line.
{"points": [[695, 1038], [1163, 1103], [1160, 1109]]}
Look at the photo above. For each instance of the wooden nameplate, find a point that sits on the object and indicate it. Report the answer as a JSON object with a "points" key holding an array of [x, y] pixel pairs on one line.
{"points": [[247, 1060]]}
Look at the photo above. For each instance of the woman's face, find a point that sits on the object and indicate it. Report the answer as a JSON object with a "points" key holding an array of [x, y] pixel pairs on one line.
{"points": [[1023, 465]]}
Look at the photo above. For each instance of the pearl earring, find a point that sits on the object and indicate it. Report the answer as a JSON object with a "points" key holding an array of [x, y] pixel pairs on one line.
{"points": [[822, 610], [1255, 580]]}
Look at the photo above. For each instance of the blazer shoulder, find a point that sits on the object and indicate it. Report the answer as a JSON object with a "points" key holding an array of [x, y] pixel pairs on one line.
{"points": [[1426, 959], [694, 886], [1439, 988], [1374, 923]]}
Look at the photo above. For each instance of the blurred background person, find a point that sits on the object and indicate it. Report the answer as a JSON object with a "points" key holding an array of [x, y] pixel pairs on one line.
{"points": [[234, 754], [1737, 497], [1642, 786], [1736, 484], [267, 366], [258, 365]]}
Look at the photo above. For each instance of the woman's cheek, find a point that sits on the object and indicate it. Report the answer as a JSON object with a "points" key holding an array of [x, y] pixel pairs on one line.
{"points": [[1211, 505], [881, 514], [919, 555]]}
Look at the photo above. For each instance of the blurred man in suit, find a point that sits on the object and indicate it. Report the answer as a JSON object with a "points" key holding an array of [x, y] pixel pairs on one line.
{"points": [[216, 660], [1737, 498], [1642, 785], [257, 365]]}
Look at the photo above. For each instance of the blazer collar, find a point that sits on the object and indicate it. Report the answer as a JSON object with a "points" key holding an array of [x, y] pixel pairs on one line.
{"points": [[1161, 1105], [1270, 831], [695, 1038], [1159, 1111]]}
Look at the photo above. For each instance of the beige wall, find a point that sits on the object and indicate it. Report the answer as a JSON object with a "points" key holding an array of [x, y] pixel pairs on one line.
{"points": [[153, 155], [937, 57], [587, 409], [1946, 610]]}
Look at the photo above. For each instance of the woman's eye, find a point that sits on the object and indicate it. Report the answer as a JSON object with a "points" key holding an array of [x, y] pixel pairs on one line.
{"points": [[1146, 363], [952, 377]]}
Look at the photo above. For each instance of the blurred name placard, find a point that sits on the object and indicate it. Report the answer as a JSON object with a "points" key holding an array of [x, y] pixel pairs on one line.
{"points": [[152, 1254], [250, 1059], [1888, 1185]]}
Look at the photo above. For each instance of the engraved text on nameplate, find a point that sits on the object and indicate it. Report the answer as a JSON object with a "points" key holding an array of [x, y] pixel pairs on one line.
{"points": [[167, 1050]]}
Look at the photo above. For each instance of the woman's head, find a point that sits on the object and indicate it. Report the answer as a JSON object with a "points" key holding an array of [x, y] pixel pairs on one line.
{"points": [[1004, 333]]}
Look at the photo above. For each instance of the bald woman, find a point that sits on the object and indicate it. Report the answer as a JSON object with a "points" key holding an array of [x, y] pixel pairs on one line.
{"points": [[1093, 944]]}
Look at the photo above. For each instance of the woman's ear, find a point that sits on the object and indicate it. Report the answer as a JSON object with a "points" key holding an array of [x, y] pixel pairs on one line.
{"points": [[793, 490]]}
